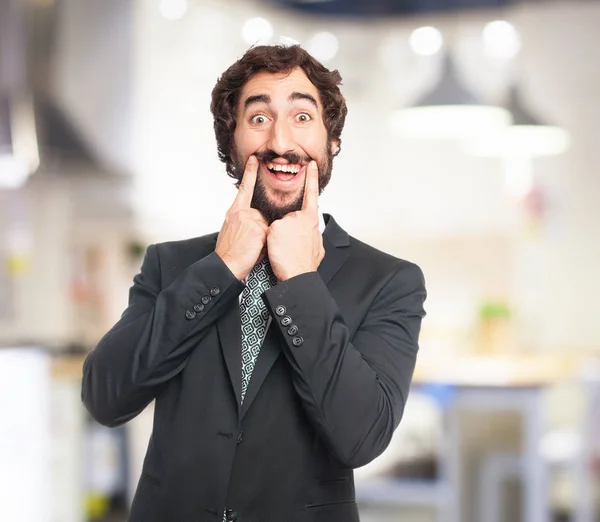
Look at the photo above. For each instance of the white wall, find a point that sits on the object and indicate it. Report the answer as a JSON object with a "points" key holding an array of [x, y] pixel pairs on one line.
{"points": [[141, 91], [424, 201], [557, 278], [46, 224], [92, 75], [37, 306]]}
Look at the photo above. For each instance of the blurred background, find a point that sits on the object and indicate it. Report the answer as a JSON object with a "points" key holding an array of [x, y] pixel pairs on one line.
{"points": [[471, 148]]}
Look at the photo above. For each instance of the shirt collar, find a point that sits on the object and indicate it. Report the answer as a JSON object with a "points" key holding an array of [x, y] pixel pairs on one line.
{"points": [[321, 222]]}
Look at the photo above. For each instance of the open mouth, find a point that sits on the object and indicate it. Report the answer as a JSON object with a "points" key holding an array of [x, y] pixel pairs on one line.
{"points": [[285, 172]]}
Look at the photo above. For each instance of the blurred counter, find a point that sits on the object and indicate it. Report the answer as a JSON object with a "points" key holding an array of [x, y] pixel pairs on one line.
{"points": [[479, 370], [498, 370]]}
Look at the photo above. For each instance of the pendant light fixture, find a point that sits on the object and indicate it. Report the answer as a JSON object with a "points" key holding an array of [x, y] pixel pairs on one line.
{"points": [[528, 136], [448, 111], [518, 144], [19, 155]]}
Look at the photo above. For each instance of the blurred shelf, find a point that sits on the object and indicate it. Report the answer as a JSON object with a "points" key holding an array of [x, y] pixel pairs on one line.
{"points": [[67, 366]]}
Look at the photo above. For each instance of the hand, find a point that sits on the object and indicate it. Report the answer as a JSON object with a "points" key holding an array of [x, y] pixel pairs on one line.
{"points": [[243, 236], [294, 243]]}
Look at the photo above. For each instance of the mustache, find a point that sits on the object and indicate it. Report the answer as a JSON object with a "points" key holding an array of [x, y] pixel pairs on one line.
{"points": [[270, 155]]}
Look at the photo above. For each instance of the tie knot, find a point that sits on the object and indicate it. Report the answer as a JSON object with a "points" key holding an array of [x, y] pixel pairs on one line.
{"points": [[262, 273]]}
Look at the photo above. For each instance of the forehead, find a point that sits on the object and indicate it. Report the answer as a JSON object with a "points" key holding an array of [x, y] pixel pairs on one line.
{"points": [[279, 85]]}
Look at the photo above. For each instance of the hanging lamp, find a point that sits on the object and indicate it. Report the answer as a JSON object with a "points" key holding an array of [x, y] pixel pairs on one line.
{"points": [[18, 143], [527, 136], [448, 111]]}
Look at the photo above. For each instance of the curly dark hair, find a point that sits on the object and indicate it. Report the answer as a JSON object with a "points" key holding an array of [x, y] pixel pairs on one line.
{"points": [[274, 59]]}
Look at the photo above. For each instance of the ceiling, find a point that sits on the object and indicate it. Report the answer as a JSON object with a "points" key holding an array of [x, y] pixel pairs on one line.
{"points": [[373, 8]]}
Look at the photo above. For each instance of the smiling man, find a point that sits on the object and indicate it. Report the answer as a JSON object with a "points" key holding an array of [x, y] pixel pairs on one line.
{"points": [[279, 351], [280, 120]]}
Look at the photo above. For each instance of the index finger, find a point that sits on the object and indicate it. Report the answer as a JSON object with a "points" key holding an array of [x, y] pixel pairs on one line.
{"points": [[311, 188], [246, 188]]}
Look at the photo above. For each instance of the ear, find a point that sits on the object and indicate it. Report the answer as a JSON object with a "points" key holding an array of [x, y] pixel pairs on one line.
{"points": [[335, 147]]}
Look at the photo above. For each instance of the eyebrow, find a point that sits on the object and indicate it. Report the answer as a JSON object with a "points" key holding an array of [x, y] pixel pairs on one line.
{"points": [[303, 96], [257, 98], [265, 98]]}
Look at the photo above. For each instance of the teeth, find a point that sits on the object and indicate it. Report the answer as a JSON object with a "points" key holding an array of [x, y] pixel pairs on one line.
{"points": [[293, 169]]}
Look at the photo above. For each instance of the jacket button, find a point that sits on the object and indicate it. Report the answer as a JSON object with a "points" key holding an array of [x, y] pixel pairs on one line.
{"points": [[198, 308], [297, 341], [293, 330], [215, 291], [190, 314], [286, 321], [231, 515], [206, 299], [280, 310], [240, 437]]}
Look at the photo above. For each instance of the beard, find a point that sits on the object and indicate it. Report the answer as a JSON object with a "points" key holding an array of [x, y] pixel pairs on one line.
{"points": [[267, 205]]}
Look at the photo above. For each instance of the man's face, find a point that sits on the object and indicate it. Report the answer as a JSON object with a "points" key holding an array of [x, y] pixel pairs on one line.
{"points": [[280, 121]]}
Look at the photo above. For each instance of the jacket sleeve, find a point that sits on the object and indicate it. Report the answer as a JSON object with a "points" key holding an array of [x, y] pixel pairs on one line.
{"points": [[354, 392], [151, 342]]}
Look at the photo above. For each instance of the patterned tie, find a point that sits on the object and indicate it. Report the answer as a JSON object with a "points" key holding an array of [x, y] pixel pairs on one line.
{"points": [[254, 317]]}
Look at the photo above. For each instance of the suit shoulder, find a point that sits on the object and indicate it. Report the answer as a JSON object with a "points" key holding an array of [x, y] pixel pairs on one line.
{"points": [[384, 261], [385, 270], [192, 243], [184, 252]]}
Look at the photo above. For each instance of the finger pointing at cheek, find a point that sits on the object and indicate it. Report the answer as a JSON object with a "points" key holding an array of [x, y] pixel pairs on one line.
{"points": [[310, 203], [246, 188]]}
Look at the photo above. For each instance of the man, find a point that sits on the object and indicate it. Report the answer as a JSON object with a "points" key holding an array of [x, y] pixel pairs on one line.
{"points": [[280, 351]]}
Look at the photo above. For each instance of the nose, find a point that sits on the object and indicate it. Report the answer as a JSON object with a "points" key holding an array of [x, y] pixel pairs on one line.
{"points": [[281, 137]]}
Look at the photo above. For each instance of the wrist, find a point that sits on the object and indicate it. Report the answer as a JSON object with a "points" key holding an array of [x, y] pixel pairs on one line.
{"points": [[289, 274], [233, 267]]}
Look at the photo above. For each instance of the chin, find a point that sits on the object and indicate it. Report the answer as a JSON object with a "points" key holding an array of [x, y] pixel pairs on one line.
{"points": [[274, 210], [274, 204], [284, 199]]}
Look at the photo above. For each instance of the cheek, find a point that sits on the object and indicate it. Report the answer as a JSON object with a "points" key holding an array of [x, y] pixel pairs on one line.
{"points": [[316, 140], [248, 143], [240, 143], [315, 147]]}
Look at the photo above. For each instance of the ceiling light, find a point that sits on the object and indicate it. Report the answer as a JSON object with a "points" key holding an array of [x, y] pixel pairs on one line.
{"points": [[501, 40], [323, 46], [448, 111], [19, 155], [527, 136], [13, 172], [257, 31], [173, 9], [426, 41]]}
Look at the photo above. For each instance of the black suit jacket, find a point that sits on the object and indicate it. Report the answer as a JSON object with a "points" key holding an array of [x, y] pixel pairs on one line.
{"points": [[321, 401]]}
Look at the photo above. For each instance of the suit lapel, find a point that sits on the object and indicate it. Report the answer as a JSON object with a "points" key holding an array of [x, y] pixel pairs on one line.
{"points": [[269, 351], [230, 334], [334, 241]]}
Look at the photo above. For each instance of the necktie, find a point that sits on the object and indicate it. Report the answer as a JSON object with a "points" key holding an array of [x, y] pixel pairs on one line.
{"points": [[254, 317]]}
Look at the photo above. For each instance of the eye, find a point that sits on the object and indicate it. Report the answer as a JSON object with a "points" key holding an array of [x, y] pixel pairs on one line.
{"points": [[303, 117], [258, 119]]}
